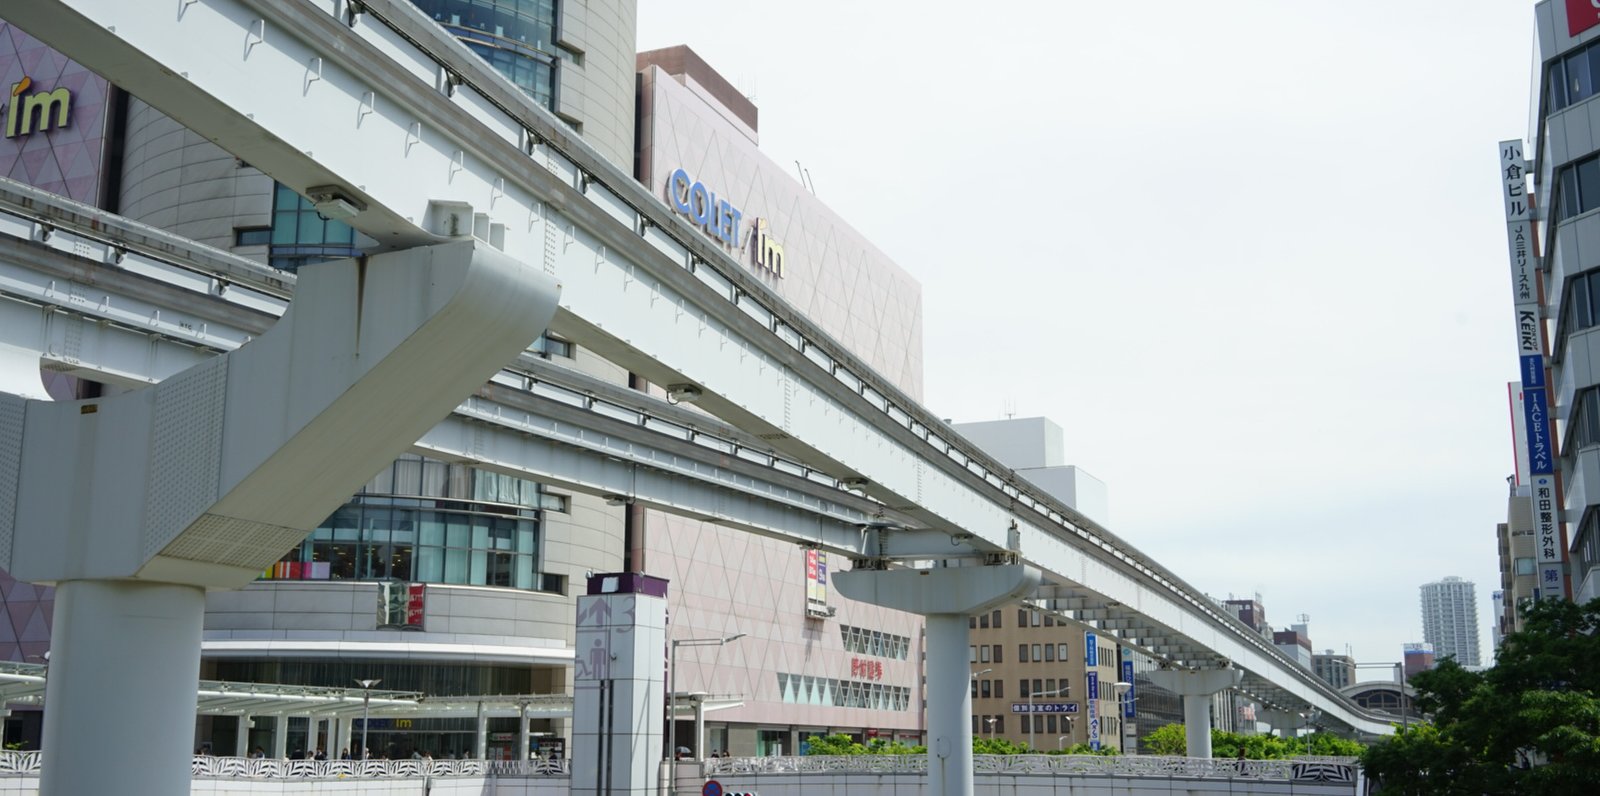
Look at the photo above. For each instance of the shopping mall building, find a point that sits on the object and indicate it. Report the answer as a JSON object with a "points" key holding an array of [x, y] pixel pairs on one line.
{"points": [[446, 579]]}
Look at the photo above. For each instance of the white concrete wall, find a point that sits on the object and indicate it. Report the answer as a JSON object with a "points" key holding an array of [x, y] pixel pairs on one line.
{"points": [[346, 611]]}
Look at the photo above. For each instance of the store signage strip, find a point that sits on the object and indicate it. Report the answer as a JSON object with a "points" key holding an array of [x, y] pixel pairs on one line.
{"points": [[1539, 436]]}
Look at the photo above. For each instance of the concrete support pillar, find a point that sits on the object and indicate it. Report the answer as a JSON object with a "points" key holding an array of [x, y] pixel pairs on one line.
{"points": [[700, 729], [482, 745], [1196, 686], [346, 726], [123, 654], [135, 503], [241, 747], [946, 596], [949, 705], [280, 736], [524, 735], [1281, 721]]}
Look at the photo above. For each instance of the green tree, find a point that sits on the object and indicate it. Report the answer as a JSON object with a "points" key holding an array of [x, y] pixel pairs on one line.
{"points": [[840, 744], [1170, 740], [1529, 725], [835, 745]]}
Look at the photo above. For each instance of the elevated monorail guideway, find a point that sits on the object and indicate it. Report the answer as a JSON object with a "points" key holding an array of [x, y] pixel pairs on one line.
{"points": [[371, 109]]}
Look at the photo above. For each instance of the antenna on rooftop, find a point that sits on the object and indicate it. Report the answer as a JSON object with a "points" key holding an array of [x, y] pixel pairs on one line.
{"points": [[1010, 408], [805, 178]]}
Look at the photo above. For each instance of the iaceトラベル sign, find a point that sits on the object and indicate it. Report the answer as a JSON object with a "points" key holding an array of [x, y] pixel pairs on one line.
{"points": [[35, 112]]}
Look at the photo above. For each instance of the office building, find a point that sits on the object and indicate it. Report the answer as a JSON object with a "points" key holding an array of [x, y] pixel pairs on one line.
{"points": [[1551, 192], [450, 579], [1419, 657], [1336, 670], [1518, 574], [1450, 619]]}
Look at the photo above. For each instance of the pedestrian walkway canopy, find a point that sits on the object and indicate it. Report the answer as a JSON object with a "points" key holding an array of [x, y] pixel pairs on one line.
{"points": [[24, 684]]}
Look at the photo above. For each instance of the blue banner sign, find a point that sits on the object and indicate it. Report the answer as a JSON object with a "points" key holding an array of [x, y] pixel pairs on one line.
{"points": [[1091, 652], [1044, 707], [1127, 677], [1094, 709], [1532, 371], [1541, 454]]}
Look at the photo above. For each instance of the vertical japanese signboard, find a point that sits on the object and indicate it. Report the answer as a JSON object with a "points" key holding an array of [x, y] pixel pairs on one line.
{"points": [[816, 583], [1093, 699], [1091, 659], [1537, 433], [1127, 677], [402, 605]]}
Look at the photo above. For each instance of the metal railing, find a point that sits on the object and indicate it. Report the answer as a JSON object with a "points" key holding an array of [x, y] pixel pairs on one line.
{"points": [[213, 767], [1321, 769]]}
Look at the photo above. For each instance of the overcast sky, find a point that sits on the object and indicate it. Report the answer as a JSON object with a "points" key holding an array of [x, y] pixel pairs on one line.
{"points": [[1249, 255]]}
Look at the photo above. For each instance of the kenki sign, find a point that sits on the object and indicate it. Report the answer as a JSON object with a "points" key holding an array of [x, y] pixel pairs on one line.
{"points": [[31, 113], [721, 220]]}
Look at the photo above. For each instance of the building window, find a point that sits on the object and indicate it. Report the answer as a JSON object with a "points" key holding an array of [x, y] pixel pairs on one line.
{"points": [[301, 236], [252, 236], [983, 653], [1022, 617], [1525, 566], [516, 37], [1036, 653], [1022, 653], [1049, 653], [986, 689], [1583, 427], [1061, 652], [428, 521], [997, 658], [974, 688], [552, 347], [997, 619], [999, 689], [983, 621], [1580, 186], [1572, 77], [972, 653]]}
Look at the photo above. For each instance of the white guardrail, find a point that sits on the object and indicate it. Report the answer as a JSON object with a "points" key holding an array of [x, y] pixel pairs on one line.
{"points": [[212, 767], [1304, 769]]}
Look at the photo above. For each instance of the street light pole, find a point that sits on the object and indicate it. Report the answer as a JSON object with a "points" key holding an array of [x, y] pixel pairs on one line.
{"points": [[672, 700], [366, 710], [1123, 703]]}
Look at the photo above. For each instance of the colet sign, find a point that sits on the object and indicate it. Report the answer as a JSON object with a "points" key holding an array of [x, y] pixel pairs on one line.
{"points": [[36, 112], [721, 220]]}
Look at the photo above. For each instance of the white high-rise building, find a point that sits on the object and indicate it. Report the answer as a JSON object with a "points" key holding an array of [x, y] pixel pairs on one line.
{"points": [[1450, 619]]}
